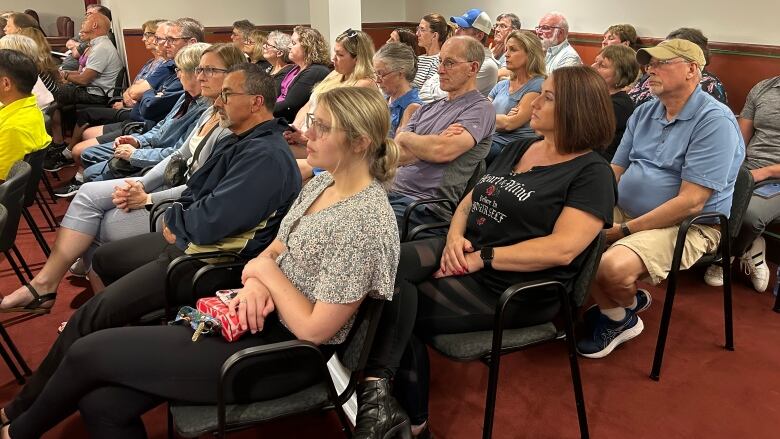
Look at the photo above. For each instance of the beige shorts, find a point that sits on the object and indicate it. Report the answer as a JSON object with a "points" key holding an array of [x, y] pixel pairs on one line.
{"points": [[656, 247]]}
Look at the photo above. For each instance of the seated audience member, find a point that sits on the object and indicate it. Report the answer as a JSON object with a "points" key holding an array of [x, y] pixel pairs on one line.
{"points": [[679, 156], [505, 24], [641, 91], [26, 46], [352, 54], [253, 48], [476, 24], [617, 65], [103, 65], [531, 216], [77, 46], [406, 36], [432, 32], [553, 30], [394, 68], [235, 201], [22, 130], [760, 128], [310, 54], [623, 34], [47, 70], [18, 21], [130, 148], [142, 150], [240, 33], [276, 50], [512, 97], [110, 210], [312, 302], [444, 142]]}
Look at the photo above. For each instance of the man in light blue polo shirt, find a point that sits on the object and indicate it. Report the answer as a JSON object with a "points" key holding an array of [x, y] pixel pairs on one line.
{"points": [[679, 156]]}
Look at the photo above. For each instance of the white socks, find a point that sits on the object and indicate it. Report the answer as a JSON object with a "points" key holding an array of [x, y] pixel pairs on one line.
{"points": [[616, 314]]}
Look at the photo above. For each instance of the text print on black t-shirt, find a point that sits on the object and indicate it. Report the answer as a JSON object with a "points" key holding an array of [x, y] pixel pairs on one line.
{"points": [[488, 204]]}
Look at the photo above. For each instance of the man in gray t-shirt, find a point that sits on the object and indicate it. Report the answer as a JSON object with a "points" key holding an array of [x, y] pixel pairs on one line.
{"points": [[101, 70], [760, 126], [444, 141]]}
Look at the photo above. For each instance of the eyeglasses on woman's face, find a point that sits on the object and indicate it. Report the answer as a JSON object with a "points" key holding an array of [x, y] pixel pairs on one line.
{"points": [[209, 71]]}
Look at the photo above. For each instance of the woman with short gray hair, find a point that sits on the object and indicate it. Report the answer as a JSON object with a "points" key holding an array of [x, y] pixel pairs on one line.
{"points": [[276, 50], [395, 66]]}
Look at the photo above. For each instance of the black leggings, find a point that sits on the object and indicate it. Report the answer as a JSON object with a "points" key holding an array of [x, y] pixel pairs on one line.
{"points": [[134, 271], [113, 376], [428, 306]]}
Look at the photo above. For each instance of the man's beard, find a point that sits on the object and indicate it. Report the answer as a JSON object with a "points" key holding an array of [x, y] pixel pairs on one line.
{"points": [[224, 121], [550, 42]]}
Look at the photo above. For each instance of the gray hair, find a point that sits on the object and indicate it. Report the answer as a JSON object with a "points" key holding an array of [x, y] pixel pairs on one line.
{"points": [[513, 19], [562, 22], [188, 58], [257, 82], [21, 44], [191, 28], [473, 50], [282, 42], [398, 56]]}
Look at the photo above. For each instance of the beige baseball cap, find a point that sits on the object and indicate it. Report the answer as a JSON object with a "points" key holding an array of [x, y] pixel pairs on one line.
{"points": [[669, 49]]}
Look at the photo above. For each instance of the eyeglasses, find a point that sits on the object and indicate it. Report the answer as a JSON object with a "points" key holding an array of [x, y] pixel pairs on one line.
{"points": [[209, 71], [270, 46], [546, 28], [448, 64], [148, 34], [422, 29], [170, 40], [249, 42], [663, 62], [381, 76], [350, 33], [500, 26], [319, 128], [224, 95]]}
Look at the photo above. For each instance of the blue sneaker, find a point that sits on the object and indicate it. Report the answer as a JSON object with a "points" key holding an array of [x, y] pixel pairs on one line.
{"points": [[591, 315], [608, 334]]}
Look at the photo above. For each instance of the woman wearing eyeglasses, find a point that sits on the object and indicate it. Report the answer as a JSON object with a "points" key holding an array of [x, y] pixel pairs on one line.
{"points": [[432, 32], [107, 211], [253, 47], [394, 69], [337, 245], [276, 50], [309, 52]]}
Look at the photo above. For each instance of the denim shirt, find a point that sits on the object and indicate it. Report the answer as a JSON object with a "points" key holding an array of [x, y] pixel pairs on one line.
{"points": [[168, 135]]}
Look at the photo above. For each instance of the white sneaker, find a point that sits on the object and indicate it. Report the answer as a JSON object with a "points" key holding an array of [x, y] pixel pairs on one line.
{"points": [[78, 268], [754, 265], [714, 276]]}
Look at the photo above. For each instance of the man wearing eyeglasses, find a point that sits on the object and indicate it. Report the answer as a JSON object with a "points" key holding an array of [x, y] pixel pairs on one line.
{"points": [[505, 24], [444, 141], [553, 30], [679, 156]]}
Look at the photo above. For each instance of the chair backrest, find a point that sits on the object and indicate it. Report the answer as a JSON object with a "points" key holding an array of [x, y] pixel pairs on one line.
{"points": [[65, 27], [12, 197], [35, 160], [353, 353], [588, 271], [743, 191], [3, 217]]}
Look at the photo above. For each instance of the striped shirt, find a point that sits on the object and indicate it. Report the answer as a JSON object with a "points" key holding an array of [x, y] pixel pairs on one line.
{"points": [[427, 65]]}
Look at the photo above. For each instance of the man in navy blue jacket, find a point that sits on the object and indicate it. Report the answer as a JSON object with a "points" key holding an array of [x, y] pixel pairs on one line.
{"points": [[235, 201]]}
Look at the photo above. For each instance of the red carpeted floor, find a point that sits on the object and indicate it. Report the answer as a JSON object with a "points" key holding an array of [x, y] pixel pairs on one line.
{"points": [[704, 392]]}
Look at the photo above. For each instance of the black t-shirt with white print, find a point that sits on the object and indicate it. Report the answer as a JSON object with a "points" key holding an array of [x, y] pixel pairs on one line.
{"points": [[509, 207]]}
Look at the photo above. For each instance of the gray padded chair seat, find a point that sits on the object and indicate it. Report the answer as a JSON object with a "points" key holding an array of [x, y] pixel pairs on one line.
{"points": [[196, 420], [474, 345]]}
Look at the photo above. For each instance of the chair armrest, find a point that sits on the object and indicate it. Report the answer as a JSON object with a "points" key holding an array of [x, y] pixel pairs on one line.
{"points": [[157, 210], [414, 205], [170, 288], [766, 182], [310, 350], [133, 127], [683, 232]]}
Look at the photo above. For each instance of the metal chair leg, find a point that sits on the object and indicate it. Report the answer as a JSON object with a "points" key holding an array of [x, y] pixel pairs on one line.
{"points": [[15, 267], [48, 215], [36, 231], [49, 188], [728, 320], [576, 379], [663, 330], [14, 351], [22, 262]]}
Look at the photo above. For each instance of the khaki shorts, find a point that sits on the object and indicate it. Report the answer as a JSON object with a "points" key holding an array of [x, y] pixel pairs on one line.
{"points": [[656, 247]]}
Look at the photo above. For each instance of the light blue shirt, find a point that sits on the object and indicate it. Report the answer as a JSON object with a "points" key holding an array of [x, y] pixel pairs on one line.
{"points": [[703, 145], [562, 55], [503, 102]]}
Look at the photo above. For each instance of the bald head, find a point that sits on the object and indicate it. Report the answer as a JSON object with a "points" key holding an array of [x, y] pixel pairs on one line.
{"points": [[95, 25]]}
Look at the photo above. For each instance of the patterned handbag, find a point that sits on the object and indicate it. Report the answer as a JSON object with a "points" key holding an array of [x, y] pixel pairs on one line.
{"points": [[216, 308]]}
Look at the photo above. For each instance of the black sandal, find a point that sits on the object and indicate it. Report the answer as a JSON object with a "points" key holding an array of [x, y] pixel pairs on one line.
{"points": [[34, 307]]}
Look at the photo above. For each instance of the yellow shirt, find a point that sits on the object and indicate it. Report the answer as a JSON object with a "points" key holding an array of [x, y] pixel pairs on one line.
{"points": [[22, 131]]}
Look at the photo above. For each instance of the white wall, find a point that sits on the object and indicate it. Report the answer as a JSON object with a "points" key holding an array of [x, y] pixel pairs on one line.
{"points": [[48, 11], [746, 21]]}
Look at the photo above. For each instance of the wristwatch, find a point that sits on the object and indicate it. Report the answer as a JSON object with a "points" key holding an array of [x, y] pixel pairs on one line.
{"points": [[624, 228], [487, 256]]}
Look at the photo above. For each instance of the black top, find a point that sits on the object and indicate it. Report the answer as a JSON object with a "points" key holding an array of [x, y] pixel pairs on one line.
{"points": [[299, 91], [508, 208], [279, 76], [624, 108]]}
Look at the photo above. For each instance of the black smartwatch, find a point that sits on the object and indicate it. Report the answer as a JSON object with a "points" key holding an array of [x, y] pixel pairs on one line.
{"points": [[624, 228], [487, 256]]}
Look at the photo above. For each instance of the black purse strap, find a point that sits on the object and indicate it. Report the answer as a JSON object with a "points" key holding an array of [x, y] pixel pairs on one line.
{"points": [[196, 154]]}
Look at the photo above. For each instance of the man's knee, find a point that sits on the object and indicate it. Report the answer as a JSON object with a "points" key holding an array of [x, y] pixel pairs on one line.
{"points": [[619, 267]]}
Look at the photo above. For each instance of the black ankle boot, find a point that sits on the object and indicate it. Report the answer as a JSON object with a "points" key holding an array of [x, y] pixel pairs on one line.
{"points": [[379, 414]]}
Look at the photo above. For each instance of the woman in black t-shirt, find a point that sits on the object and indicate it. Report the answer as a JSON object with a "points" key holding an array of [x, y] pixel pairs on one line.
{"points": [[531, 216]]}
